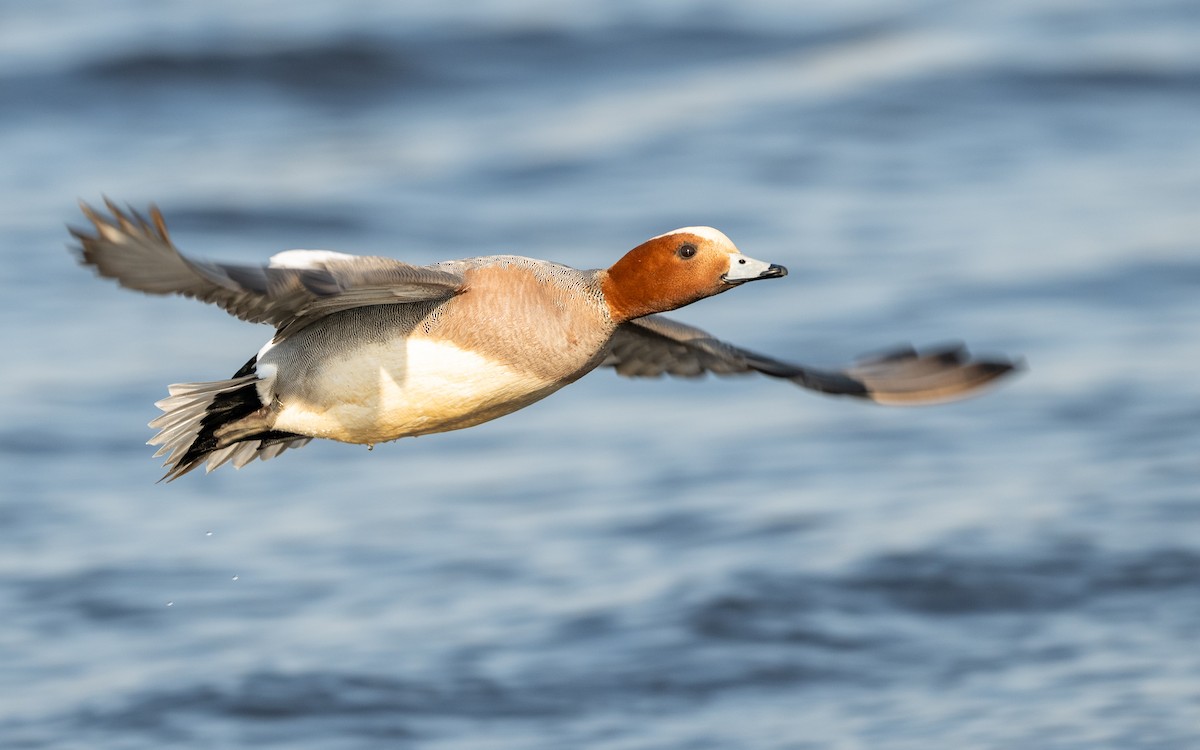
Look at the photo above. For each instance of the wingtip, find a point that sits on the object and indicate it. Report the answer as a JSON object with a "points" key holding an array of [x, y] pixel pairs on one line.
{"points": [[936, 375], [159, 222], [996, 366]]}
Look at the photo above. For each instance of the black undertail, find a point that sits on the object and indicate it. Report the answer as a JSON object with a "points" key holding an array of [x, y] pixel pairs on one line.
{"points": [[226, 408]]}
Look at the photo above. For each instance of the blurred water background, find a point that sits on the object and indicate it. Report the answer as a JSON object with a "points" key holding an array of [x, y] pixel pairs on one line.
{"points": [[629, 564]]}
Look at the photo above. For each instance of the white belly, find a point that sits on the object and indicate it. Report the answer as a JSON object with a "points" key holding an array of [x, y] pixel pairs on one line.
{"points": [[381, 392]]}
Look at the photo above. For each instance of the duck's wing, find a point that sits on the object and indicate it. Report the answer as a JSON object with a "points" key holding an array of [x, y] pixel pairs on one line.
{"points": [[654, 346], [294, 289]]}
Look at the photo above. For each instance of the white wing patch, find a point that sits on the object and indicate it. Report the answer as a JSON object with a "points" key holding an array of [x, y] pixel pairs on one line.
{"points": [[311, 259]]}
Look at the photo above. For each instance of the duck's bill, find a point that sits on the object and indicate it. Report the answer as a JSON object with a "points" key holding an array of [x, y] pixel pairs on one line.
{"points": [[743, 269]]}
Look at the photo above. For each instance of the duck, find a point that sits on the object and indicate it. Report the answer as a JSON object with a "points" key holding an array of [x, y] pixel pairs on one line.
{"points": [[369, 349]]}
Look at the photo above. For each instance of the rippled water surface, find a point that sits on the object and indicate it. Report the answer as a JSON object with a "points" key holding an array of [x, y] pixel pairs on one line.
{"points": [[711, 564]]}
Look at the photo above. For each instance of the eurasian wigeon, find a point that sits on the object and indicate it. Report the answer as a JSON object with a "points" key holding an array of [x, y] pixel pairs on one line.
{"points": [[370, 349]]}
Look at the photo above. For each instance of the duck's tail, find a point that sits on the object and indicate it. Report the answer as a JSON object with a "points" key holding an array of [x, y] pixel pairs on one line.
{"points": [[211, 423]]}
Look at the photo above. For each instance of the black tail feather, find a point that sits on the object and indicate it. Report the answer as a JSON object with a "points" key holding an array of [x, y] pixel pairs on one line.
{"points": [[197, 413]]}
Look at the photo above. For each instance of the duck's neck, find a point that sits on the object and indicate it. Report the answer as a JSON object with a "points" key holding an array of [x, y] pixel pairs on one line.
{"points": [[627, 294]]}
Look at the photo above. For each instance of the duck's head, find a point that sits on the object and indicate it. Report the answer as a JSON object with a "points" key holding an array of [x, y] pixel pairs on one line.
{"points": [[677, 268]]}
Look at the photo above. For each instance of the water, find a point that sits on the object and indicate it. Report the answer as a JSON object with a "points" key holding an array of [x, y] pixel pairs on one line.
{"points": [[714, 564]]}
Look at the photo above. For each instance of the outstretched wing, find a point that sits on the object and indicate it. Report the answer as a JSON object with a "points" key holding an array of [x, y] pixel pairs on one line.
{"points": [[296, 288], [653, 346]]}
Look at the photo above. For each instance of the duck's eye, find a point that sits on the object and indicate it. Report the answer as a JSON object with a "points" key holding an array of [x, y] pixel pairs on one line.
{"points": [[687, 250]]}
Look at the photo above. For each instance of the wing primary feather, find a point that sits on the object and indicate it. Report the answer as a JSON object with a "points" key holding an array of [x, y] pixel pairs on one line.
{"points": [[138, 253], [654, 346]]}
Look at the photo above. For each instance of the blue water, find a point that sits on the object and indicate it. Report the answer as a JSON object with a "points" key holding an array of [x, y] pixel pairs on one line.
{"points": [[627, 565]]}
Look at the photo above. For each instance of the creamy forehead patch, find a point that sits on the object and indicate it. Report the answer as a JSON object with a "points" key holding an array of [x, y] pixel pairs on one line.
{"points": [[708, 233]]}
